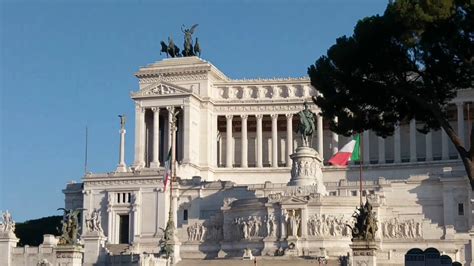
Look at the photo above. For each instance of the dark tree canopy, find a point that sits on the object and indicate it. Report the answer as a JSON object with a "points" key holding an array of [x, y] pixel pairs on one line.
{"points": [[31, 232], [407, 63]]}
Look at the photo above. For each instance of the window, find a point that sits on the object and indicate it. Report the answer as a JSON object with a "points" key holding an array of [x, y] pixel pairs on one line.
{"points": [[460, 209], [354, 192], [185, 215], [333, 193]]}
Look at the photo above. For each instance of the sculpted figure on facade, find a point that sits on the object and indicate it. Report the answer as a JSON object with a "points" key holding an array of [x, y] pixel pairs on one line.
{"points": [[70, 227], [394, 228], [196, 232], [306, 126], [7, 225], [327, 226], [93, 223], [293, 221]]}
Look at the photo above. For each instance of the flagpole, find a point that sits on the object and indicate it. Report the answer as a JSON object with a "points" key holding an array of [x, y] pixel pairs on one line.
{"points": [[361, 161]]}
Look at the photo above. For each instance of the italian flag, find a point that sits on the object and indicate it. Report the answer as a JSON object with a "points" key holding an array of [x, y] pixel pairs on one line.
{"points": [[350, 152], [167, 170]]}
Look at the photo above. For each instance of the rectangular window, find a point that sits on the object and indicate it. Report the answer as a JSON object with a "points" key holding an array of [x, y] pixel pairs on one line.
{"points": [[460, 208], [185, 215], [333, 193], [354, 192]]}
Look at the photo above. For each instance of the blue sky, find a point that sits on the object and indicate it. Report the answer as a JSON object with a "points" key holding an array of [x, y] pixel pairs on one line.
{"points": [[68, 64]]}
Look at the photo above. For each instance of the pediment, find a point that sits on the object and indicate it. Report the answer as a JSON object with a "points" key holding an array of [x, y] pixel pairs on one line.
{"points": [[295, 200], [161, 89]]}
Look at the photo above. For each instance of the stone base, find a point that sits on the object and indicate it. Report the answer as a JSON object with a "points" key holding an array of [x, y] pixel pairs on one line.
{"points": [[69, 255], [121, 168], [270, 246], [94, 251], [364, 252], [306, 169]]}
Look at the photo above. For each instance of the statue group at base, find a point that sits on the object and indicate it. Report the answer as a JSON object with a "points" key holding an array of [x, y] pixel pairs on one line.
{"points": [[364, 245]]}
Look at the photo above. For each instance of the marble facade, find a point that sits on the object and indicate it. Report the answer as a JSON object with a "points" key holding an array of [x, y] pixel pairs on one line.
{"points": [[246, 183]]}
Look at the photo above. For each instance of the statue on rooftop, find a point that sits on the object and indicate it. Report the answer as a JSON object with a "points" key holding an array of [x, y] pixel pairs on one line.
{"points": [[306, 126], [7, 224], [171, 50], [123, 119], [188, 40]]}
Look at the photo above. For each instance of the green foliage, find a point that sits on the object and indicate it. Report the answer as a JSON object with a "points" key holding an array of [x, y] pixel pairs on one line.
{"points": [[408, 63], [31, 232]]}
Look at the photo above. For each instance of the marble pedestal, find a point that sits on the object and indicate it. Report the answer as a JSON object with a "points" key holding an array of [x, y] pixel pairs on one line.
{"points": [[94, 252], [306, 169], [69, 255], [8, 241], [364, 252], [270, 246]]}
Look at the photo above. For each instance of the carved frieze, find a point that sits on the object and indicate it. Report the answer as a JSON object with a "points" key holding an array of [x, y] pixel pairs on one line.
{"points": [[395, 228], [329, 226]]}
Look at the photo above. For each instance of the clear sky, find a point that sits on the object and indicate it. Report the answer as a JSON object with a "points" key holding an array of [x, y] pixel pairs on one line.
{"points": [[68, 64]]}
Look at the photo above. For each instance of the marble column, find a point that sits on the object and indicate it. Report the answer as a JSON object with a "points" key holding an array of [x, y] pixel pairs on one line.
{"points": [[170, 133], [413, 157], [444, 145], [228, 142], [429, 146], [320, 136], [366, 147], [397, 158], [122, 167], [274, 140], [259, 141], [139, 137], [244, 142], [334, 140], [460, 108], [156, 136], [289, 138], [381, 150]]}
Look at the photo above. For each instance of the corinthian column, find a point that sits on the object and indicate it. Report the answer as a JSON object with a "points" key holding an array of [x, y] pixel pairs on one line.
{"points": [[289, 138], [156, 132], [122, 167], [170, 133], [259, 140], [228, 143], [244, 142], [274, 140], [460, 108], [320, 137], [139, 137]]}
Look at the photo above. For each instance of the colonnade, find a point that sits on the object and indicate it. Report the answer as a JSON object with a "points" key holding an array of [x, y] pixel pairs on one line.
{"points": [[244, 140], [384, 153], [144, 130]]}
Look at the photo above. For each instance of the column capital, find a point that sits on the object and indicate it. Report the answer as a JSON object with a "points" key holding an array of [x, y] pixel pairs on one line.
{"points": [[459, 104], [139, 108], [259, 116], [170, 108], [274, 116], [229, 117], [155, 109], [289, 116], [244, 117]]}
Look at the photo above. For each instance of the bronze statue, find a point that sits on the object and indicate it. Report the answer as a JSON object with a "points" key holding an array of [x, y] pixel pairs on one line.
{"points": [[188, 40], [306, 126], [197, 48], [123, 119], [171, 49], [365, 226], [70, 227]]}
